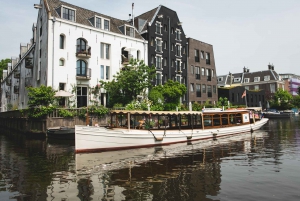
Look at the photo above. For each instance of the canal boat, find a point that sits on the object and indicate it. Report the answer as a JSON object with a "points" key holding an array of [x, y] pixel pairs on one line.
{"points": [[129, 129], [62, 132]]}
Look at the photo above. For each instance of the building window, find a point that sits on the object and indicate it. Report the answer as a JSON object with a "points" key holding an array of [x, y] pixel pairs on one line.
{"points": [[107, 73], [172, 63], [212, 73], [202, 71], [208, 74], [220, 79], [172, 47], [197, 73], [256, 87], [61, 41], [152, 59], [158, 62], [267, 78], [247, 88], [272, 88], [165, 61], [61, 62], [198, 90], [165, 27], [192, 87], [178, 79], [81, 45], [246, 80], [192, 70], [172, 30], [207, 58], [256, 79], [178, 50], [98, 23], [105, 51], [209, 93], [165, 45], [197, 56], [102, 72], [183, 50], [158, 79], [152, 41], [237, 79], [158, 28], [106, 25], [214, 89], [129, 31], [203, 88], [82, 95], [158, 45], [81, 68], [183, 65], [68, 14], [177, 63], [177, 36], [202, 55]]}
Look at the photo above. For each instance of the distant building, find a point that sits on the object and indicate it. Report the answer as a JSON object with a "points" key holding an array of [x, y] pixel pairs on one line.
{"points": [[202, 80], [253, 98], [292, 83]]}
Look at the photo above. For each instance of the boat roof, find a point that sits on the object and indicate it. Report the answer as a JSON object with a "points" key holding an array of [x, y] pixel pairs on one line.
{"points": [[145, 112]]}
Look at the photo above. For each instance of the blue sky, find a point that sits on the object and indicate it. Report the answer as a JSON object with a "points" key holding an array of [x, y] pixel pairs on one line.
{"points": [[243, 33]]}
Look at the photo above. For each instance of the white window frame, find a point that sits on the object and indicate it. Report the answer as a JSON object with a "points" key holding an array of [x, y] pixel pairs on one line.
{"points": [[256, 79], [192, 87], [220, 79], [246, 80], [256, 87], [103, 52], [157, 40], [267, 78], [62, 13], [156, 25], [105, 19], [178, 33], [237, 79], [130, 27], [156, 61]]}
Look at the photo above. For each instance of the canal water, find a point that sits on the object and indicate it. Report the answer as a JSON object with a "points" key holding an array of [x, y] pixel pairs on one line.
{"points": [[263, 165]]}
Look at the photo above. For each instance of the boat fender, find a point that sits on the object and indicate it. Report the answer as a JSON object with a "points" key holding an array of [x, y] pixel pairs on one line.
{"points": [[159, 138]]}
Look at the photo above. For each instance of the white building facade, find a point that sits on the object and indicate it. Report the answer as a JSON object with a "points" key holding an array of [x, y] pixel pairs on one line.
{"points": [[72, 49]]}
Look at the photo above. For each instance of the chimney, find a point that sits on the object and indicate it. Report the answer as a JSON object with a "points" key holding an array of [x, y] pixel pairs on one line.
{"points": [[248, 70], [245, 69], [269, 67]]}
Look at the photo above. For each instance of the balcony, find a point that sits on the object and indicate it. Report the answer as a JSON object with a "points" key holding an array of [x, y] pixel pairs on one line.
{"points": [[197, 76], [84, 76], [29, 63], [16, 89], [8, 81], [83, 52], [17, 74], [28, 82]]}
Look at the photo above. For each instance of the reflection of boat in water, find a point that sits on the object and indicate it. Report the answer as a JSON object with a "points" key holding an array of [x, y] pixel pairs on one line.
{"points": [[61, 132], [110, 160], [157, 128]]}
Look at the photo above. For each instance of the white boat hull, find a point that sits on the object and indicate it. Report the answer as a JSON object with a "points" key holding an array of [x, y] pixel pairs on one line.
{"points": [[92, 139]]}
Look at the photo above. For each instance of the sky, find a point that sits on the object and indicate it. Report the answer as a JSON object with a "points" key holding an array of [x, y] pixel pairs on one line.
{"points": [[249, 34]]}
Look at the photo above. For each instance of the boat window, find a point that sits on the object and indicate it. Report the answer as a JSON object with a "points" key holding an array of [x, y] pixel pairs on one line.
{"points": [[224, 119], [239, 118], [232, 119], [207, 119], [216, 120]]}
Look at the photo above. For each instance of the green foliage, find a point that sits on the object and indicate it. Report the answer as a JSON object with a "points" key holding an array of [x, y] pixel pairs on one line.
{"points": [[197, 106], [131, 81], [9, 106], [296, 101], [167, 95], [3, 65], [42, 95], [98, 110], [65, 113], [41, 111], [222, 102], [138, 105], [282, 100]]}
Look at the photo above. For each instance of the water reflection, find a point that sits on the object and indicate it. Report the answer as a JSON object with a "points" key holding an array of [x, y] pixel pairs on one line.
{"points": [[229, 169]]}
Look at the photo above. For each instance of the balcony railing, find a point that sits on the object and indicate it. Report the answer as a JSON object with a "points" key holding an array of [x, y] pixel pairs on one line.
{"points": [[84, 76], [16, 89], [197, 76], [17, 74], [83, 51], [208, 78], [8, 81], [28, 63], [28, 81]]}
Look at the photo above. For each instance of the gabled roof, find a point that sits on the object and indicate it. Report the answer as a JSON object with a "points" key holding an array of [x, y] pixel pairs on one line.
{"points": [[83, 15], [148, 16]]}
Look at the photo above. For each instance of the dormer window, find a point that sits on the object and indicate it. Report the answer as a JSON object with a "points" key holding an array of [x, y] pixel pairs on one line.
{"points": [[68, 14], [256, 79], [246, 80], [267, 78], [106, 25], [237, 79], [129, 31], [98, 23]]}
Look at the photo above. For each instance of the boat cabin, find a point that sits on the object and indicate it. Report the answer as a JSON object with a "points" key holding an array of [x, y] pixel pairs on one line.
{"points": [[166, 120]]}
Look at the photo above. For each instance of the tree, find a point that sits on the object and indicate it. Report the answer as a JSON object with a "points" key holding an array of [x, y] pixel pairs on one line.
{"points": [[40, 96], [3, 66], [171, 92], [298, 91], [282, 100], [131, 81]]}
